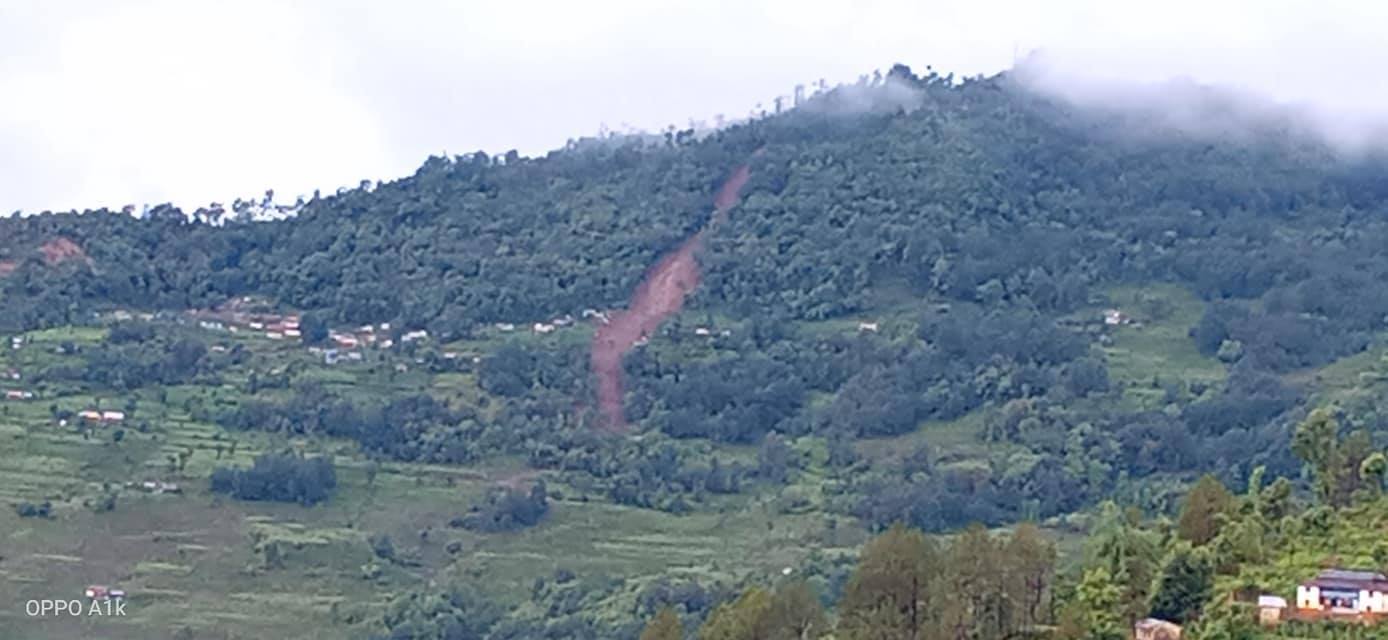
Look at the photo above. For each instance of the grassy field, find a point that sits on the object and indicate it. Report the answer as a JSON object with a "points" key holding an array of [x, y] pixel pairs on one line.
{"points": [[201, 565], [1156, 346], [204, 566]]}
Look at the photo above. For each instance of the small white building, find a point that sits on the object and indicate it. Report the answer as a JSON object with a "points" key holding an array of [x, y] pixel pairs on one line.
{"points": [[112, 416], [870, 327], [702, 331], [1114, 317], [505, 326], [542, 327]]}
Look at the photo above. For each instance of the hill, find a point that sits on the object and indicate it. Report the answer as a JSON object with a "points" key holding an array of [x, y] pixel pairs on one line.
{"points": [[936, 301]]}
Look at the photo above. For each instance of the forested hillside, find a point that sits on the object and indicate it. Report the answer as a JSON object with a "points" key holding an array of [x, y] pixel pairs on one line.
{"points": [[938, 303]]}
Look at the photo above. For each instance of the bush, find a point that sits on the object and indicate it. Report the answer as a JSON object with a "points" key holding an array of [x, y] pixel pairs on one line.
{"points": [[509, 510], [279, 477], [30, 510]]}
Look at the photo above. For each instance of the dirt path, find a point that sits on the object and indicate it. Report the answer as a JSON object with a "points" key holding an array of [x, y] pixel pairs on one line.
{"points": [[659, 295]]}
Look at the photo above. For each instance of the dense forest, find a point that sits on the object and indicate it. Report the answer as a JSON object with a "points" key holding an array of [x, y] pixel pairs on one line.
{"points": [[910, 250]]}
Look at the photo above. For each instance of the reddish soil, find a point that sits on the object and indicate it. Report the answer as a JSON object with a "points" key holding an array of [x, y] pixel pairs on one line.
{"points": [[60, 250], [659, 295]]}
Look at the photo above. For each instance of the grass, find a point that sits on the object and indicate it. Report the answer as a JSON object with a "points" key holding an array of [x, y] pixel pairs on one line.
{"points": [[199, 560], [1157, 346]]}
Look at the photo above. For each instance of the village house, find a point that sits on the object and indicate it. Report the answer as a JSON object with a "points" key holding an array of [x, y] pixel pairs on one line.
{"points": [[1114, 317], [411, 336], [89, 414], [112, 416], [12, 374], [292, 333], [702, 331], [274, 335], [867, 327], [1154, 629], [541, 327], [505, 326], [15, 394], [99, 592], [564, 321], [1270, 609], [1344, 592], [159, 486]]}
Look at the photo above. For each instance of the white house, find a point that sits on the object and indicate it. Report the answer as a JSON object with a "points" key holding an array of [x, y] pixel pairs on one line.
{"points": [[1343, 591], [867, 326]]}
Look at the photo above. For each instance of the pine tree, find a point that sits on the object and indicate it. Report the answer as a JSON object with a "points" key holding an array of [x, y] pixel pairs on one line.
{"points": [[1202, 510], [664, 626], [891, 593]]}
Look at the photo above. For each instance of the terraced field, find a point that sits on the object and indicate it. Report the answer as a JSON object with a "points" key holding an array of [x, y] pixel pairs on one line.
{"points": [[201, 565]]}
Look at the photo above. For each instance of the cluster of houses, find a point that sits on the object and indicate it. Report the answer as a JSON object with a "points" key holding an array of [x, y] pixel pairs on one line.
{"points": [[155, 486], [543, 328], [1334, 594], [1117, 318], [19, 394], [1342, 593], [102, 592], [101, 417]]}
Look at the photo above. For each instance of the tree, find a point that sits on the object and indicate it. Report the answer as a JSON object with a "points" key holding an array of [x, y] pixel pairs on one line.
{"points": [[1372, 470], [1094, 613], [314, 327], [1128, 554], [796, 613], [745, 618], [1206, 503], [1032, 564], [1335, 463], [664, 626], [892, 589], [978, 607], [1183, 584]]}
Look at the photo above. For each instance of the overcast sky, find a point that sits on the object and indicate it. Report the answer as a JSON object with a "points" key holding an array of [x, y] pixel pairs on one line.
{"points": [[110, 102]]}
